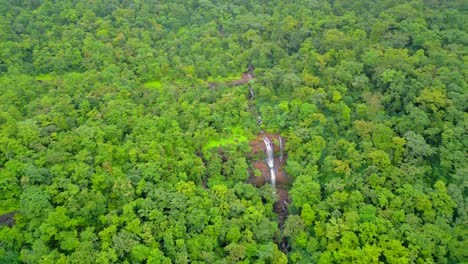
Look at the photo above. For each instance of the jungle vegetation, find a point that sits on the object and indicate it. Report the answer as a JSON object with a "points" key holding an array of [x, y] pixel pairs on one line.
{"points": [[114, 149]]}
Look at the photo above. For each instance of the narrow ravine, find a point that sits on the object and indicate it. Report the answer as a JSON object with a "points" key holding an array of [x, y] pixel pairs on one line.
{"points": [[271, 148], [276, 175], [268, 158]]}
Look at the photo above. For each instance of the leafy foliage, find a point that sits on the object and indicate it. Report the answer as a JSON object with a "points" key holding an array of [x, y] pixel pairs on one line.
{"points": [[108, 121]]}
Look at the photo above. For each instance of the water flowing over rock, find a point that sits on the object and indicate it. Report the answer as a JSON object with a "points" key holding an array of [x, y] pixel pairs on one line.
{"points": [[270, 160], [280, 139], [263, 160]]}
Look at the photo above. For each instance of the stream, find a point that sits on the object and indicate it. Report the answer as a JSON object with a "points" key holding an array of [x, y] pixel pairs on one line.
{"points": [[276, 175], [271, 166], [272, 172], [270, 161]]}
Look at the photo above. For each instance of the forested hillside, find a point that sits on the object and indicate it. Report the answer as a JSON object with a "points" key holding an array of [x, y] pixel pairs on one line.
{"points": [[122, 140]]}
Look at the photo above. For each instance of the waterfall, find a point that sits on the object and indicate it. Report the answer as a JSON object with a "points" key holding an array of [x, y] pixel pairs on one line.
{"points": [[281, 147], [270, 160]]}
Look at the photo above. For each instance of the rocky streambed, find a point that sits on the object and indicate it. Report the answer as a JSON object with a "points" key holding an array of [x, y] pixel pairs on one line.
{"points": [[261, 174]]}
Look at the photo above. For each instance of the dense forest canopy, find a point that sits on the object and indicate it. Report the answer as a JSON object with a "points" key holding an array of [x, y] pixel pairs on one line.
{"points": [[115, 149]]}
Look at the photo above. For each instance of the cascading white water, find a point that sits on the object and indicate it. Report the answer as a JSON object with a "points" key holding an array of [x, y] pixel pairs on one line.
{"points": [[281, 147], [250, 87], [270, 160]]}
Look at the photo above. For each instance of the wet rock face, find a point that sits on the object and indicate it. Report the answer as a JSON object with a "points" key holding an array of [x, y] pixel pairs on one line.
{"points": [[259, 156]]}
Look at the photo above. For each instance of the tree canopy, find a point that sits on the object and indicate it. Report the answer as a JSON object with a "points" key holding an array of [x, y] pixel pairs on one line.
{"points": [[115, 149]]}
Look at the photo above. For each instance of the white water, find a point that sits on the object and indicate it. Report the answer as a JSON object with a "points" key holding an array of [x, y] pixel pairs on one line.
{"points": [[270, 160], [250, 87], [281, 148]]}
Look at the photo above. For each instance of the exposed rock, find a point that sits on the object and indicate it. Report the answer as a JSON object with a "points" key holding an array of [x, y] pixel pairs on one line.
{"points": [[258, 156]]}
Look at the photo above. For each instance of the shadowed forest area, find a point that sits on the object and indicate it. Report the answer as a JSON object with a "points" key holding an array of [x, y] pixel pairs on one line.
{"points": [[133, 131]]}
